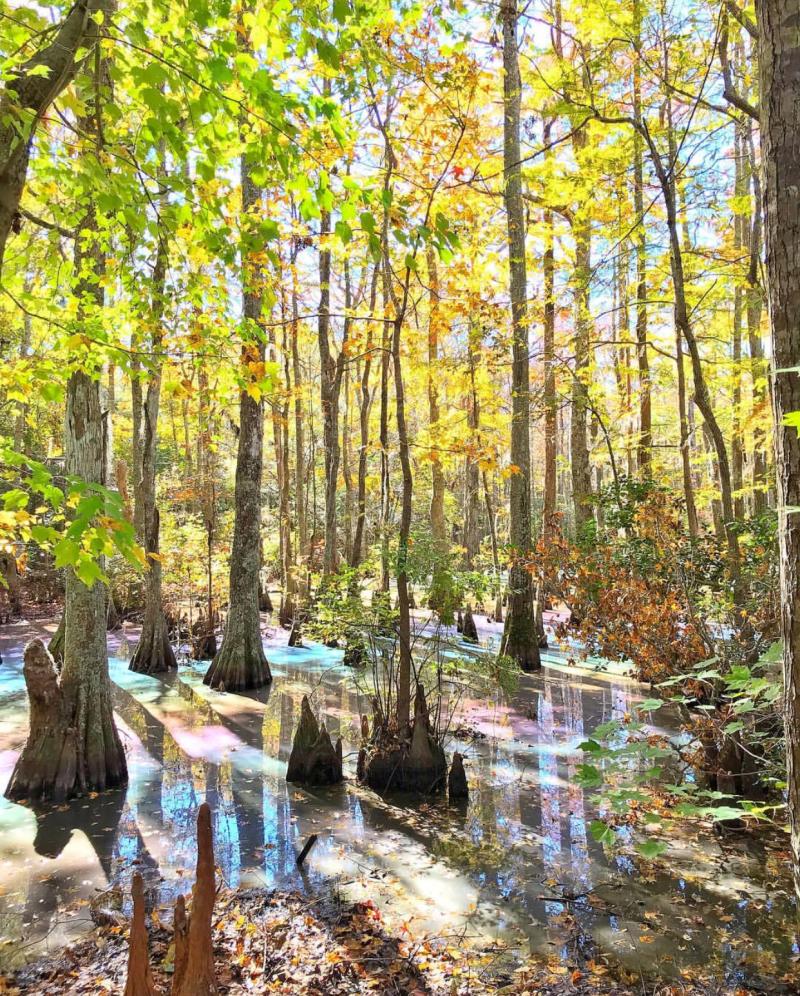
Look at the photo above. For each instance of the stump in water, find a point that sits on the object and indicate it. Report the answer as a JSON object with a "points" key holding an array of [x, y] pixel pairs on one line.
{"points": [[140, 978], [459, 622], [457, 787], [73, 746], [469, 629], [180, 940], [296, 635], [198, 976], [264, 601], [286, 613], [204, 639], [395, 764], [314, 760]]}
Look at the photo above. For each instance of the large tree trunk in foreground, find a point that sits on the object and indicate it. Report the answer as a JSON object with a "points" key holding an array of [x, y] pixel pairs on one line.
{"points": [[73, 746], [28, 94], [241, 663], [520, 638], [779, 51]]}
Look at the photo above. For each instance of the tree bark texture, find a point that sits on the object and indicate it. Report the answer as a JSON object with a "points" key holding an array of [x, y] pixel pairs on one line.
{"points": [[779, 50], [241, 663], [520, 640]]}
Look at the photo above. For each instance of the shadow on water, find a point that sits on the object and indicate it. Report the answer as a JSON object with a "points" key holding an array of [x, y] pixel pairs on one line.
{"points": [[518, 863]]}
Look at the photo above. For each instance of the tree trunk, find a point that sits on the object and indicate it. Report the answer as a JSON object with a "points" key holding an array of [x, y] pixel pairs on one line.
{"points": [[754, 306], [299, 445], [779, 51], [403, 711], [329, 397], [550, 398], [644, 449], [364, 406], [241, 663], [520, 639], [685, 440], [153, 653], [579, 446], [438, 526], [472, 530], [737, 445]]}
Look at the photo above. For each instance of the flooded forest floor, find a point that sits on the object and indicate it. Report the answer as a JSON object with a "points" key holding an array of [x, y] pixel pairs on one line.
{"points": [[509, 893]]}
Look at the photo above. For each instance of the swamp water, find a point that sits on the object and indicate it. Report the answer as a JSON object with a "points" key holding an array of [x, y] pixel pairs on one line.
{"points": [[517, 864]]}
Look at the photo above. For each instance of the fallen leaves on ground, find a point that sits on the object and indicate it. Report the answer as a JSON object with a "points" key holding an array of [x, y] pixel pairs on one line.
{"points": [[304, 945]]}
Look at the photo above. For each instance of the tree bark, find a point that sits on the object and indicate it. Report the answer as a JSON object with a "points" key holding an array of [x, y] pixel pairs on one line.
{"points": [[329, 396], [472, 525], [153, 653], [644, 449], [550, 398], [779, 52], [754, 307], [241, 663], [299, 444], [520, 639], [438, 526], [364, 406], [579, 445]]}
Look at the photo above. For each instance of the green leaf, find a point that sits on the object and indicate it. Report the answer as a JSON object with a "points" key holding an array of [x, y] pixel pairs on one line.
{"points": [[66, 552], [649, 705], [602, 833], [588, 776], [651, 849], [89, 572]]}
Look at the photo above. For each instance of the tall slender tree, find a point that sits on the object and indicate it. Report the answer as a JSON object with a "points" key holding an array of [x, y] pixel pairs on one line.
{"points": [[520, 638]]}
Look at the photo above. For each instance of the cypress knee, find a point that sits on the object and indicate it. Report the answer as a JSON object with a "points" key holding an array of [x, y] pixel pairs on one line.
{"points": [[199, 977], [140, 978]]}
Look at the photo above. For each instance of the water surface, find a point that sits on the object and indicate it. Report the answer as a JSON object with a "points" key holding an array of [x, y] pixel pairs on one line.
{"points": [[517, 863]]}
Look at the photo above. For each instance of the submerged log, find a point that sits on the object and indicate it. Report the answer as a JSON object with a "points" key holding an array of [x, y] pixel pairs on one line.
{"points": [[199, 977], [468, 628], [457, 787], [314, 760], [140, 978]]}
